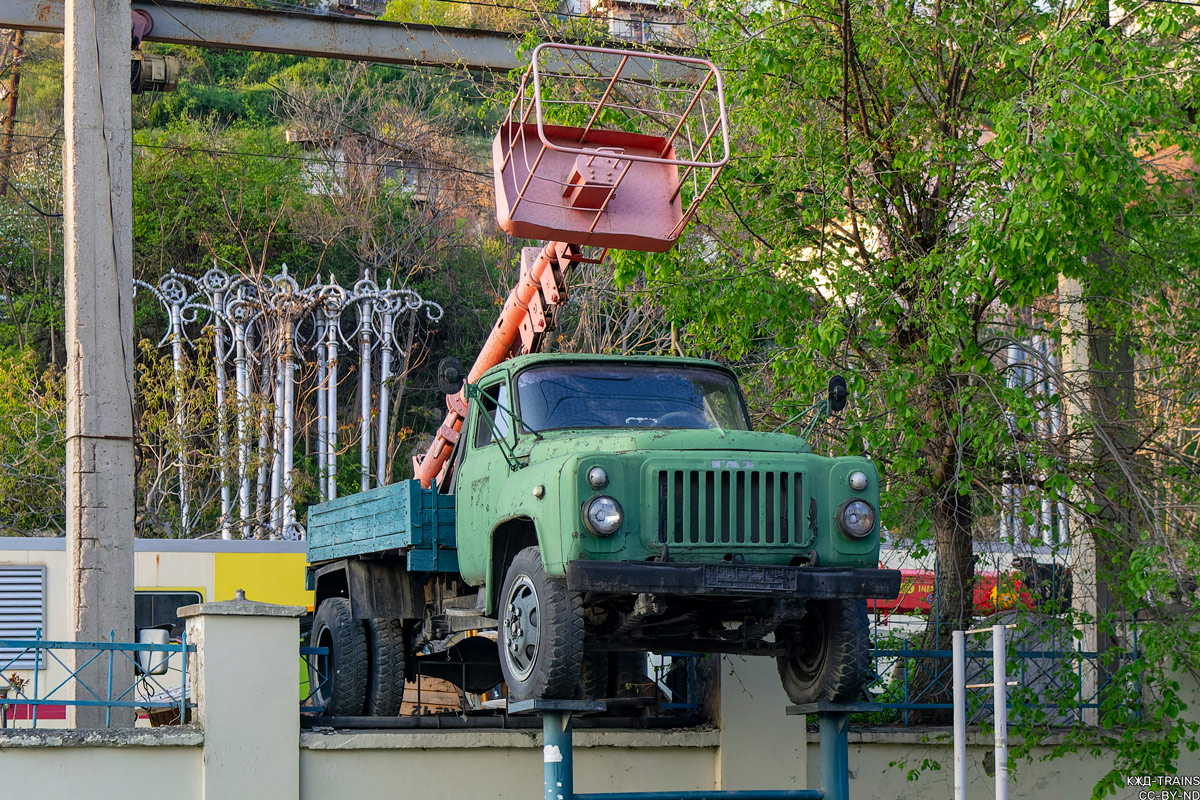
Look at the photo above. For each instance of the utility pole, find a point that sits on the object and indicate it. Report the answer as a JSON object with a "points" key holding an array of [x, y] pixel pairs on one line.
{"points": [[10, 116], [98, 225]]}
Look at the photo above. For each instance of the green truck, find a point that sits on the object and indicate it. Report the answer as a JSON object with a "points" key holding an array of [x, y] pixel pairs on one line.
{"points": [[596, 505]]}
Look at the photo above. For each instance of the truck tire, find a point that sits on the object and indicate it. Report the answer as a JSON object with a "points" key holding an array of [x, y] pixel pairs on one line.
{"points": [[541, 631], [610, 675], [345, 667], [385, 678], [828, 653]]}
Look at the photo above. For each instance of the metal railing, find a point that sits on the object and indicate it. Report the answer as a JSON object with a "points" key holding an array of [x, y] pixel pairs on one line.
{"points": [[1052, 687], [313, 661], [144, 692]]}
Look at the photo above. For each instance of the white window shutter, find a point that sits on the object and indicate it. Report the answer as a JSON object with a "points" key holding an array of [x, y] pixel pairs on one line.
{"points": [[22, 612]]}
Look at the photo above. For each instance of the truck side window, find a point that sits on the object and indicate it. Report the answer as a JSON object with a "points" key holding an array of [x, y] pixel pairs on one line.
{"points": [[495, 404]]}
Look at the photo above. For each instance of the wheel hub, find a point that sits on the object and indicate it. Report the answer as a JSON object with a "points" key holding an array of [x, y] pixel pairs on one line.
{"points": [[521, 627]]}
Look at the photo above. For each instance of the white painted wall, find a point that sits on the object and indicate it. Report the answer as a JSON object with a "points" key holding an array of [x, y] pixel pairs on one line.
{"points": [[499, 764], [100, 771]]}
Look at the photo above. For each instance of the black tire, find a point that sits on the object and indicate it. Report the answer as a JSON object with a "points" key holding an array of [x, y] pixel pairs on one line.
{"points": [[828, 656], [594, 675], [541, 631], [616, 674], [385, 678], [344, 692]]}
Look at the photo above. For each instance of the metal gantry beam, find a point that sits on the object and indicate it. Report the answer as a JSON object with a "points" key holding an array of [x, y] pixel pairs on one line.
{"points": [[300, 34]]}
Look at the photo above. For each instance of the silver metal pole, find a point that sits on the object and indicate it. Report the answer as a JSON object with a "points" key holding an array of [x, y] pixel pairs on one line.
{"points": [[331, 406], [262, 510], [322, 394], [960, 714], [174, 314], [286, 511], [277, 450], [385, 369], [1000, 695], [219, 355], [365, 312], [242, 380]]}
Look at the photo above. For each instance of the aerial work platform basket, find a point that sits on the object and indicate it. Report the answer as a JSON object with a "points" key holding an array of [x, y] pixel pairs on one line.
{"points": [[610, 148]]}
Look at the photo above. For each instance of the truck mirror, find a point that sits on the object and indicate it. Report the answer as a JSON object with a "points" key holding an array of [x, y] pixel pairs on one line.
{"points": [[450, 376], [837, 394]]}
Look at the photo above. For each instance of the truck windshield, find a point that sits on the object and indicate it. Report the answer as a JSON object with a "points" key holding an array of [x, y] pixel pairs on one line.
{"points": [[628, 396]]}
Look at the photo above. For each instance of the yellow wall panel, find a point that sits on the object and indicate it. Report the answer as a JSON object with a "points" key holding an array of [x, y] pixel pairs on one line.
{"points": [[266, 577]]}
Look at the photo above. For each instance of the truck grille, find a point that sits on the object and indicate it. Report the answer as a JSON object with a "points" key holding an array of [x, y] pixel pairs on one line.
{"points": [[729, 507]]}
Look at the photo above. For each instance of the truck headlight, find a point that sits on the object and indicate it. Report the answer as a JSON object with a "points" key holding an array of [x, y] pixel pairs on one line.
{"points": [[602, 515], [856, 518]]}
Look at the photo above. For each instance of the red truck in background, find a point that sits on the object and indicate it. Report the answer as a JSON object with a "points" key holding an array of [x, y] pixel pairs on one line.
{"points": [[1033, 584]]}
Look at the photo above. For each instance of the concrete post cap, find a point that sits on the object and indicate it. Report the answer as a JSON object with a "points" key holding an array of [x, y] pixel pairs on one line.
{"points": [[239, 606]]}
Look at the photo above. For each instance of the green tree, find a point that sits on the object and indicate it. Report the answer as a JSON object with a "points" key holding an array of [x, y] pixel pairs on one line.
{"points": [[911, 181], [32, 453]]}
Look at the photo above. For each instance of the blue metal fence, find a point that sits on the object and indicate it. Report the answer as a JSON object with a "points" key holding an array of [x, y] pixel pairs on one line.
{"points": [[906, 684], [144, 692], [1050, 685], [314, 662]]}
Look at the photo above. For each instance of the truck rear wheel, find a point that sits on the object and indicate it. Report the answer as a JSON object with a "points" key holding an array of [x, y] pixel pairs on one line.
{"points": [[616, 674], [341, 675], [541, 631], [385, 679], [828, 653]]}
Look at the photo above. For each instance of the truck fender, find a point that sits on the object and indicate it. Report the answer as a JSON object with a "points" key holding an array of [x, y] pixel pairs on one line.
{"points": [[507, 539], [375, 588]]}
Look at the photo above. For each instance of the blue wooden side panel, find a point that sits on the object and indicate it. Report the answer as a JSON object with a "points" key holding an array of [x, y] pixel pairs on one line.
{"points": [[402, 516]]}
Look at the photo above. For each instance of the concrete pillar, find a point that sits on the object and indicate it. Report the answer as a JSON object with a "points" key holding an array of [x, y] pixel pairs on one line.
{"points": [[245, 676], [98, 244], [761, 747]]}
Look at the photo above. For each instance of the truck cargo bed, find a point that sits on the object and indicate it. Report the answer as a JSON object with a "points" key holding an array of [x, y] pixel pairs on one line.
{"points": [[403, 516]]}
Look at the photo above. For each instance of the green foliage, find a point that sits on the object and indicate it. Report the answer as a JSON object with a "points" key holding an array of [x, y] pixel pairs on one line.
{"points": [[912, 184], [205, 193], [32, 454]]}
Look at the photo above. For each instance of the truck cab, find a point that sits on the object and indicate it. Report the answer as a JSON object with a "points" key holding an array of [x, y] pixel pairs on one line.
{"points": [[624, 503]]}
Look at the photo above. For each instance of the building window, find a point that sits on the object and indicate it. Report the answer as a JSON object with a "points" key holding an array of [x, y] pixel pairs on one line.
{"points": [[22, 612], [154, 609]]}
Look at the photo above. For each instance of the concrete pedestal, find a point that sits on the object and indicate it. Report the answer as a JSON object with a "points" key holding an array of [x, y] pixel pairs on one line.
{"points": [[247, 697]]}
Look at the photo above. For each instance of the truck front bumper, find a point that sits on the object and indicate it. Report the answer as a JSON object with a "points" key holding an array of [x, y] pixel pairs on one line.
{"points": [[731, 580]]}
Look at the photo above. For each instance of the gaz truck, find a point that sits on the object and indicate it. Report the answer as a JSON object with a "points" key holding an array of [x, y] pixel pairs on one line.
{"points": [[576, 507]]}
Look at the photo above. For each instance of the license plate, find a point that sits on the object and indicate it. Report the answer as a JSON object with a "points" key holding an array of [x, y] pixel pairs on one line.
{"points": [[750, 578]]}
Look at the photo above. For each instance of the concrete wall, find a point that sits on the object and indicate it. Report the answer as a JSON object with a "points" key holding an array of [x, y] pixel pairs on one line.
{"points": [[499, 764], [916, 763], [116, 765], [248, 744]]}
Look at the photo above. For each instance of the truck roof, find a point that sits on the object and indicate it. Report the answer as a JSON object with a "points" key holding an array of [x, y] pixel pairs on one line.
{"points": [[517, 363]]}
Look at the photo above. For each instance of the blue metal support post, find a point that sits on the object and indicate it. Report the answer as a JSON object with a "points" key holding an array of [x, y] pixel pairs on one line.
{"points": [[558, 763], [835, 757], [557, 757], [558, 766], [834, 721]]}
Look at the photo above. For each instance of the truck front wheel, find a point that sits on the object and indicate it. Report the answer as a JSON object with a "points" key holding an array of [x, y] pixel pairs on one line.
{"points": [[541, 631], [828, 652], [341, 674]]}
